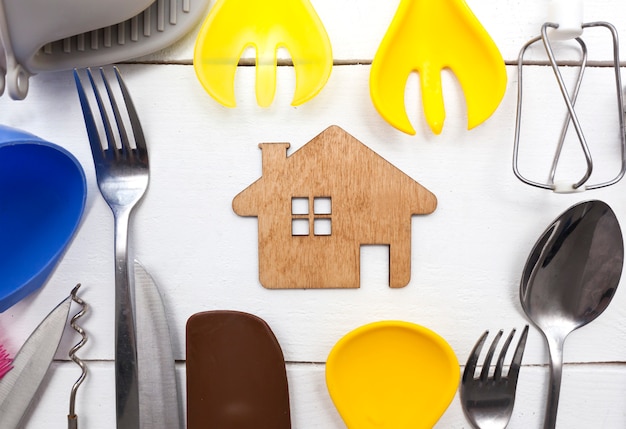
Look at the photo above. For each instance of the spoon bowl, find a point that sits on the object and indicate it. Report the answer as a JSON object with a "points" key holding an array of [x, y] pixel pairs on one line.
{"points": [[570, 278]]}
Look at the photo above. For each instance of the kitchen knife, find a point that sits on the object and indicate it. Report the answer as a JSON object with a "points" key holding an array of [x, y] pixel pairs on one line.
{"points": [[19, 386], [158, 393]]}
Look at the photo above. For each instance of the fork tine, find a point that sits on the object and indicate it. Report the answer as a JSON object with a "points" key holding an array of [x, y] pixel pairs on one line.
{"points": [[92, 129], [140, 140], [516, 363], [488, 401], [125, 144], [484, 374], [470, 366], [105, 118], [497, 374]]}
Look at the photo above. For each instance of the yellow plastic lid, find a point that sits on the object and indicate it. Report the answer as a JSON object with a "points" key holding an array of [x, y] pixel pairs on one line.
{"points": [[392, 375]]}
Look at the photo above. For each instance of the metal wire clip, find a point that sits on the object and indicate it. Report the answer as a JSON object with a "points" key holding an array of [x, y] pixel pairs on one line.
{"points": [[567, 25]]}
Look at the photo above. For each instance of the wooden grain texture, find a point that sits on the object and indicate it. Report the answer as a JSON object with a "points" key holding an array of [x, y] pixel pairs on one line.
{"points": [[350, 197], [466, 257]]}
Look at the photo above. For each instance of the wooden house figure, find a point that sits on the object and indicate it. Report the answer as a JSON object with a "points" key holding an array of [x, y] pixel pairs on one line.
{"points": [[317, 206]]}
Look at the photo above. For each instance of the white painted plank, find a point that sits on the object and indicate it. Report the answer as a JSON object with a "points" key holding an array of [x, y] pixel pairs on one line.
{"points": [[356, 27], [592, 396], [467, 257]]}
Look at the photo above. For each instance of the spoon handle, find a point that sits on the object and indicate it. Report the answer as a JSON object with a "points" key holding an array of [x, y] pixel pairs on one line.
{"points": [[555, 346]]}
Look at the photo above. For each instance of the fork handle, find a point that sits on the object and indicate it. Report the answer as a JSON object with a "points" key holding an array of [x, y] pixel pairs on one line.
{"points": [[126, 379]]}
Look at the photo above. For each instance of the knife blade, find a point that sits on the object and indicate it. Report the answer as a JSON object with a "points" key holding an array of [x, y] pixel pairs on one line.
{"points": [[158, 391], [19, 386]]}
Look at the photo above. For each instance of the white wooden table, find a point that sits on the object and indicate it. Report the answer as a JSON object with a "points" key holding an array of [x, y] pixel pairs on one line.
{"points": [[467, 256]]}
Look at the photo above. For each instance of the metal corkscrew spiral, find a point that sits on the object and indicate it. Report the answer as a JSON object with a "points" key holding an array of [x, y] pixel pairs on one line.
{"points": [[72, 418]]}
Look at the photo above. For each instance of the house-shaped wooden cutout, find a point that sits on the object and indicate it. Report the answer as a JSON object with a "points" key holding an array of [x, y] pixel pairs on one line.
{"points": [[316, 208]]}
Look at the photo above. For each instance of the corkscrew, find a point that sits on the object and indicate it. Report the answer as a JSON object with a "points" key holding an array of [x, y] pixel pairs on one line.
{"points": [[72, 418]]}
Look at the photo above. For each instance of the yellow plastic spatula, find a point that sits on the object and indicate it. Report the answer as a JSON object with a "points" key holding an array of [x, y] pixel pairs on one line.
{"points": [[427, 36], [234, 25], [391, 375]]}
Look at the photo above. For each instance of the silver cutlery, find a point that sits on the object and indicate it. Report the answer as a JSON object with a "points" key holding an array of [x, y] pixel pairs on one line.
{"points": [[569, 279], [488, 399], [122, 172], [19, 386], [158, 390]]}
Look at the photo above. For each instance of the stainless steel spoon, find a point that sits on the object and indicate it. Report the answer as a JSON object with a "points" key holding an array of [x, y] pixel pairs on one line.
{"points": [[570, 278]]}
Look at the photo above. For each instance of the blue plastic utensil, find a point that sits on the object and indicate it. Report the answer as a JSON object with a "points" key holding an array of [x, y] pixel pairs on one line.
{"points": [[42, 198]]}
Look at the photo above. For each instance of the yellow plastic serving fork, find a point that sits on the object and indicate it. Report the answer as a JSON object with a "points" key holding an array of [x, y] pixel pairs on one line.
{"points": [[234, 25], [427, 36]]}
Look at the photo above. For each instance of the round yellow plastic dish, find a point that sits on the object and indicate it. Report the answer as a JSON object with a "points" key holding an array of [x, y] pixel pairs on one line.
{"points": [[392, 375]]}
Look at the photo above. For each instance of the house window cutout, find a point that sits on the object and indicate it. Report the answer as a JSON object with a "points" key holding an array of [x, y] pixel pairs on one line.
{"points": [[302, 218], [322, 226], [299, 206], [322, 205], [300, 227]]}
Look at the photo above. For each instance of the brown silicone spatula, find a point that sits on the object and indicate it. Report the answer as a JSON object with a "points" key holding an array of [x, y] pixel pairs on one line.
{"points": [[236, 376]]}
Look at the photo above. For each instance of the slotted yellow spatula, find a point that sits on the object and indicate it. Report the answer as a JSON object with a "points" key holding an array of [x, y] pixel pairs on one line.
{"points": [[427, 36], [234, 25]]}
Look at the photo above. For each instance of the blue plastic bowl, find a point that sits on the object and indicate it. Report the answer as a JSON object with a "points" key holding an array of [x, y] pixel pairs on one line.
{"points": [[42, 199]]}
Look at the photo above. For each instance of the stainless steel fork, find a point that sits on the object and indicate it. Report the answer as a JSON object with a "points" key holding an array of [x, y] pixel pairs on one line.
{"points": [[122, 173], [488, 399]]}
